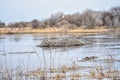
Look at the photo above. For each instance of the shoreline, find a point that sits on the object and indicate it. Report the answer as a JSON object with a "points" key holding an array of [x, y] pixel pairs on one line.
{"points": [[50, 30]]}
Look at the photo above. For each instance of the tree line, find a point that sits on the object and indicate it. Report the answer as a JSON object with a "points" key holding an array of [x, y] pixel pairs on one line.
{"points": [[88, 19]]}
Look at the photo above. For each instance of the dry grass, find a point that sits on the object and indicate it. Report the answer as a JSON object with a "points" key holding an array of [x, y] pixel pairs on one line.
{"points": [[29, 30], [66, 42], [49, 30], [79, 30]]}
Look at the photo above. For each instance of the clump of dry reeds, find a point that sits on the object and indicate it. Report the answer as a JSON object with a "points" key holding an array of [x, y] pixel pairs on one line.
{"points": [[60, 76], [66, 42]]}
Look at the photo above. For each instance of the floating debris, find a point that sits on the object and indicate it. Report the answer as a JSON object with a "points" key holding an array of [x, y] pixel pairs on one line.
{"points": [[89, 58], [21, 52]]}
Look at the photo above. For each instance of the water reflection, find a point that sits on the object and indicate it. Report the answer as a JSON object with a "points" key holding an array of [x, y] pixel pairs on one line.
{"points": [[34, 57]]}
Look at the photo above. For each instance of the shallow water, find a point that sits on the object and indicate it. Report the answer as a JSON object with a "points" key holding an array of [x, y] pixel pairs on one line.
{"points": [[21, 50]]}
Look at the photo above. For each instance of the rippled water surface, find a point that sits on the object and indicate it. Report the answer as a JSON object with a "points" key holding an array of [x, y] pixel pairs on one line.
{"points": [[21, 50]]}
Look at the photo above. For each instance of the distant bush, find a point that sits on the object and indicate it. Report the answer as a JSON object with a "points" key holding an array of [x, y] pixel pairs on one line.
{"points": [[88, 19], [2, 24]]}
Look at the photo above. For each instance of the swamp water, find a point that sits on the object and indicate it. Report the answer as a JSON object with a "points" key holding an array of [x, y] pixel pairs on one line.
{"points": [[21, 59]]}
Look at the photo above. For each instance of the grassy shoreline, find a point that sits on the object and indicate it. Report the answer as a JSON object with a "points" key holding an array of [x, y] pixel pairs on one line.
{"points": [[49, 30]]}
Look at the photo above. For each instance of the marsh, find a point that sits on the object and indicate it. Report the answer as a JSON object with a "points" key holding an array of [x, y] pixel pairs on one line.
{"points": [[19, 53]]}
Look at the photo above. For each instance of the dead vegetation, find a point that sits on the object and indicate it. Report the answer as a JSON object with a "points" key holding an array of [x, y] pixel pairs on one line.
{"points": [[74, 71], [89, 58], [66, 42]]}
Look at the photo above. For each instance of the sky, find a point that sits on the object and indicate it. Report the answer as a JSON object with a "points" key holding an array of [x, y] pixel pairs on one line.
{"points": [[27, 10]]}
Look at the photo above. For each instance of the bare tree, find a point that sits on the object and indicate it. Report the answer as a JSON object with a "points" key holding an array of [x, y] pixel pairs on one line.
{"points": [[108, 19], [2, 24], [87, 19], [35, 23], [116, 16], [54, 18]]}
